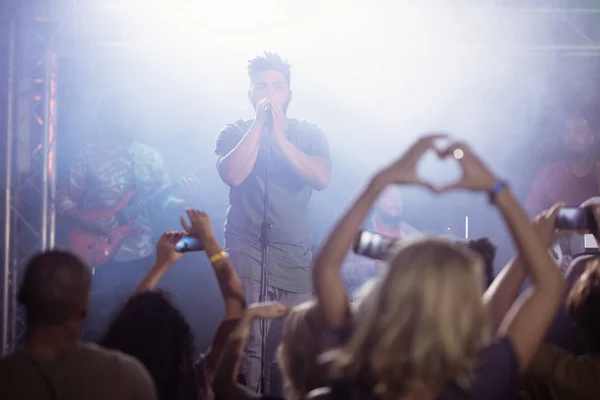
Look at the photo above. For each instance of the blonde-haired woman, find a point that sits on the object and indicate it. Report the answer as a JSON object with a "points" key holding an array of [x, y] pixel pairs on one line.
{"points": [[298, 354], [421, 332]]}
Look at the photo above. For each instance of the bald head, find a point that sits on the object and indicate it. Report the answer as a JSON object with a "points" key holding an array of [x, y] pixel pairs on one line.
{"points": [[55, 288]]}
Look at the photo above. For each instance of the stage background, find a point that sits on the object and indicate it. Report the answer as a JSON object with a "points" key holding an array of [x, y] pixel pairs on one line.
{"points": [[510, 110]]}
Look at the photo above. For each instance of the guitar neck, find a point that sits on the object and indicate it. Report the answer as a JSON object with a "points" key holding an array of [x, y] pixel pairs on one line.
{"points": [[156, 197]]}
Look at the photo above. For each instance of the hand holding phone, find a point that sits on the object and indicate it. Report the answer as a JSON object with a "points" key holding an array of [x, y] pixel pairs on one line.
{"points": [[576, 219], [373, 245]]}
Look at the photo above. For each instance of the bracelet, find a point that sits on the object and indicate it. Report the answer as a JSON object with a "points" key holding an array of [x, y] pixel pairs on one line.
{"points": [[219, 256], [496, 190]]}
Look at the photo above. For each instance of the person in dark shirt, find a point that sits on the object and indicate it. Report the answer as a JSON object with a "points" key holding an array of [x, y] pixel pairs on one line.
{"points": [[55, 363], [556, 374], [299, 163], [571, 180]]}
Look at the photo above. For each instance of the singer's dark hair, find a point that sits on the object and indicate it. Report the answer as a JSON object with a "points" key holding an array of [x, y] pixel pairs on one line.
{"points": [[269, 61], [150, 328]]}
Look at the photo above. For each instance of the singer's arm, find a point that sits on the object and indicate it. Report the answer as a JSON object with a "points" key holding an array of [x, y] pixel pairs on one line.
{"points": [[312, 162], [236, 157]]}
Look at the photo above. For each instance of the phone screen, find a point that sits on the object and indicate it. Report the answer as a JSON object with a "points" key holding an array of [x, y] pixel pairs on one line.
{"points": [[576, 219], [372, 245]]}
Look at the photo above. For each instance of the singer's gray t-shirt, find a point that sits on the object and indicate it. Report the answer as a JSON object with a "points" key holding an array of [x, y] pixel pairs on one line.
{"points": [[290, 242]]}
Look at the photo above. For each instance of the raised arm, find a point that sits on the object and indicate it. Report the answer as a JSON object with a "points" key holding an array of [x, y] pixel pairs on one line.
{"points": [[225, 378], [166, 257], [227, 278], [527, 323], [506, 288], [327, 278]]}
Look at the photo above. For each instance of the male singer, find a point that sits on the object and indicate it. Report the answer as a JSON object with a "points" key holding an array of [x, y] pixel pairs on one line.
{"points": [[299, 163]]}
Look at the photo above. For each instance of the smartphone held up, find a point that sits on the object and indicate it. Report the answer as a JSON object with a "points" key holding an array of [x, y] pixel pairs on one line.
{"points": [[576, 219], [372, 245]]}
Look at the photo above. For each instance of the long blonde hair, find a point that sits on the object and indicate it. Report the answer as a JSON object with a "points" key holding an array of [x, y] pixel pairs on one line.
{"points": [[421, 325], [300, 348]]}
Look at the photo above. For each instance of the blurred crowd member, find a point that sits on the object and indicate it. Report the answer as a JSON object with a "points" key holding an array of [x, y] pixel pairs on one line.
{"points": [[150, 328], [298, 354], [299, 162], [571, 180], [387, 219], [556, 374], [113, 165], [487, 250], [55, 364], [421, 332], [225, 385], [569, 369]]}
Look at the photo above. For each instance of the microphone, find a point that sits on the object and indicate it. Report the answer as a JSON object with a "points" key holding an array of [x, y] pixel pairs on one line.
{"points": [[269, 111], [187, 244]]}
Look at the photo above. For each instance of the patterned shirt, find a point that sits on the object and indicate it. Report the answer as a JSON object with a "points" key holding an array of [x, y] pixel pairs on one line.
{"points": [[102, 173]]}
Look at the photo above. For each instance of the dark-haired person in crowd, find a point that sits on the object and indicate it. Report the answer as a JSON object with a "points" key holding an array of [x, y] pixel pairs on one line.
{"points": [[487, 250], [112, 165], [150, 327], [422, 331], [299, 163], [556, 374], [55, 363], [571, 180]]}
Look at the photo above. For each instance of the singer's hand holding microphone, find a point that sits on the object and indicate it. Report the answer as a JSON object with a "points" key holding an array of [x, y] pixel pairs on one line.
{"points": [[264, 110]]}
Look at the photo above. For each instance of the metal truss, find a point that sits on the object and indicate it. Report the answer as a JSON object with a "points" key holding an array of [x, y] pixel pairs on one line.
{"points": [[29, 160], [560, 27]]}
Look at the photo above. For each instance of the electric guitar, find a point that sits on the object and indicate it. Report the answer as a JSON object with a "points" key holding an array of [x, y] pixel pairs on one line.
{"points": [[97, 249]]}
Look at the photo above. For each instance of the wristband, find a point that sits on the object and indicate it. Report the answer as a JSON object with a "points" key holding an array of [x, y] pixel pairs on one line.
{"points": [[219, 256], [496, 190]]}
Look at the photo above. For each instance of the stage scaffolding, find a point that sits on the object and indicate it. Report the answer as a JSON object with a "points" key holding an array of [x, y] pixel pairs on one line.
{"points": [[39, 38]]}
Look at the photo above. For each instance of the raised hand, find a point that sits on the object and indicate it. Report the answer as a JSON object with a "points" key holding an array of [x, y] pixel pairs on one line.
{"points": [[262, 116], [165, 248], [200, 227], [544, 226], [267, 310], [279, 122], [404, 169], [475, 174]]}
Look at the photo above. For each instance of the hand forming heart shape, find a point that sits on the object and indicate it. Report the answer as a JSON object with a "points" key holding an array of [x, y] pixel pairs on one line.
{"points": [[475, 174]]}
